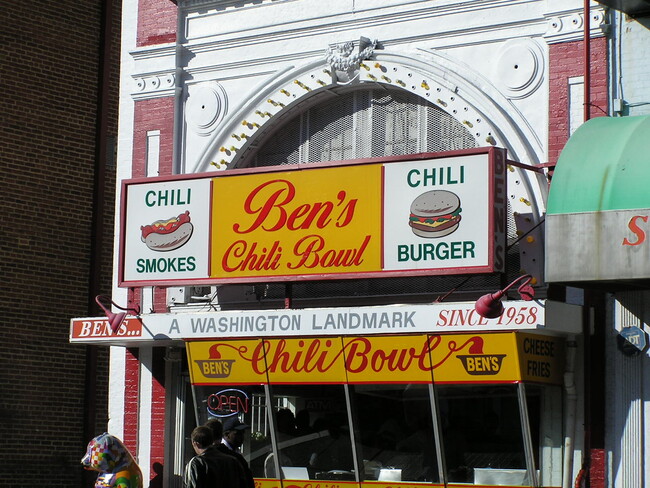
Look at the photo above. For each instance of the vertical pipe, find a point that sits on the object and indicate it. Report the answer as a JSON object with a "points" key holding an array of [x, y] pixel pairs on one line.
{"points": [[587, 60], [178, 166], [571, 401], [99, 189]]}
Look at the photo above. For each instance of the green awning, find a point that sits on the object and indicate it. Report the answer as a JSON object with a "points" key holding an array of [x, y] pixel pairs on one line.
{"points": [[604, 166]]}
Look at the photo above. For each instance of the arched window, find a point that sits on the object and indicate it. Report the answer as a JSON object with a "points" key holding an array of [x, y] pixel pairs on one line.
{"points": [[353, 123], [359, 123]]}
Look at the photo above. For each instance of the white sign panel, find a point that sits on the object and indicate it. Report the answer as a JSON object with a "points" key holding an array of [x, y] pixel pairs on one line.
{"points": [[438, 211], [167, 230], [393, 319]]}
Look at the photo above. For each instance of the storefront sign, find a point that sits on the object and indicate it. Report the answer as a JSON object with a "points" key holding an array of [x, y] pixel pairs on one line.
{"points": [[611, 245], [166, 230], [632, 340], [442, 358], [428, 214], [390, 319], [225, 403], [540, 357]]}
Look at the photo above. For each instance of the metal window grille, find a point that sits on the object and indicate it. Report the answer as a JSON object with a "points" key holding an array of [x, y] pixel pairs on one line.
{"points": [[362, 124]]}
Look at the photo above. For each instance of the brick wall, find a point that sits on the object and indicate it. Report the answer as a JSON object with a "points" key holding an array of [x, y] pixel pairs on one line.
{"points": [[156, 114], [151, 115], [50, 54], [131, 400], [566, 60], [597, 475], [156, 25], [156, 22]]}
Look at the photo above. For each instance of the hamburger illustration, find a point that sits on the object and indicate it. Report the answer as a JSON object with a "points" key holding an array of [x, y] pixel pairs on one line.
{"points": [[435, 213]]}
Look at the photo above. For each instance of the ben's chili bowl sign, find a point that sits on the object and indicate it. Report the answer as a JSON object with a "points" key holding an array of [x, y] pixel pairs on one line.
{"points": [[356, 359], [301, 222], [426, 215]]}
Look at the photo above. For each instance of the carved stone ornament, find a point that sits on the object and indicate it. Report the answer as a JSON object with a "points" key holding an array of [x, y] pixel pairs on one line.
{"points": [[344, 62]]}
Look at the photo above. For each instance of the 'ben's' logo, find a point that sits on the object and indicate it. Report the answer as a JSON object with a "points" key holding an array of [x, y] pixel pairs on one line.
{"points": [[482, 364], [215, 368]]}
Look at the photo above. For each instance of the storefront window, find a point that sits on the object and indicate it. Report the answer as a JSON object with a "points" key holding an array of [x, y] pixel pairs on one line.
{"points": [[313, 433], [394, 432], [482, 435], [248, 403], [383, 414]]}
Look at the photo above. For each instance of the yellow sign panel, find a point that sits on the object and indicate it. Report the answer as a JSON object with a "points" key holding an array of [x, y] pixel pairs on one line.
{"points": [[474, 358], [306, 360], [394, 359], [541, 358], [325, 220], [442, 358], [226, 362]]}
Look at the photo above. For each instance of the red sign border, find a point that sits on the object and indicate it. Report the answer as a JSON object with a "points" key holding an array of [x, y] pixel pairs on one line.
{"points": [[495, 240]]}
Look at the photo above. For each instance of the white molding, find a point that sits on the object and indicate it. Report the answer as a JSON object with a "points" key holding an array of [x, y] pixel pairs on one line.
{"points": [[116, 389], [456, 88], [125, 126], [569, 26]]}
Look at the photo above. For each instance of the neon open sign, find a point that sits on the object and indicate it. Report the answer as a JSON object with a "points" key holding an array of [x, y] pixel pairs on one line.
{"points": [[228, 402]]}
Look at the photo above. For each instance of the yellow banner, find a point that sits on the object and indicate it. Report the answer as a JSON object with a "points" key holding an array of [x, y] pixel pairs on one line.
{"points": [[443, 358], [306, 360], [325, 220]]}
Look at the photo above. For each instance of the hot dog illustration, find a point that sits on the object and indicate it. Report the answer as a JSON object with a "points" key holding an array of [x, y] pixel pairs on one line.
{"points": [[167, 235]]}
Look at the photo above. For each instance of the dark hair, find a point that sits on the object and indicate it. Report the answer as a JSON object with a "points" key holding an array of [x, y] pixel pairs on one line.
{"points": [[216, 427], [202, 435]]}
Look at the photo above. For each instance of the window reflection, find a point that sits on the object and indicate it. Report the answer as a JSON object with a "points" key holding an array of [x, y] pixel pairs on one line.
{"points": [[482, 435], [249, 404], [394, 432], [392, 427]]}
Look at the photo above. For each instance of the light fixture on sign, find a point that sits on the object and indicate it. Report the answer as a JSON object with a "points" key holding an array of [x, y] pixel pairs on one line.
{"points": [[115, 320], [490, 305]]}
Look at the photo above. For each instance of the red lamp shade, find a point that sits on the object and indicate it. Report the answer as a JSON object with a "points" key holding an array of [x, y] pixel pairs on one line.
{"points": [[115, 320], [490, 305]]}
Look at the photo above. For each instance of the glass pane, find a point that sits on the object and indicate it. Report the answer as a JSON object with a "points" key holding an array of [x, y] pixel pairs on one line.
{"points": [[545, 416], [313, 433], [482, 437], [248, 403], [394, 432]]}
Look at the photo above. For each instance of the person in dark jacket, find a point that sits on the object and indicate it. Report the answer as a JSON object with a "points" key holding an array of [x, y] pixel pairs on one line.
{"points": [[228, 438], [210, 468]]}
